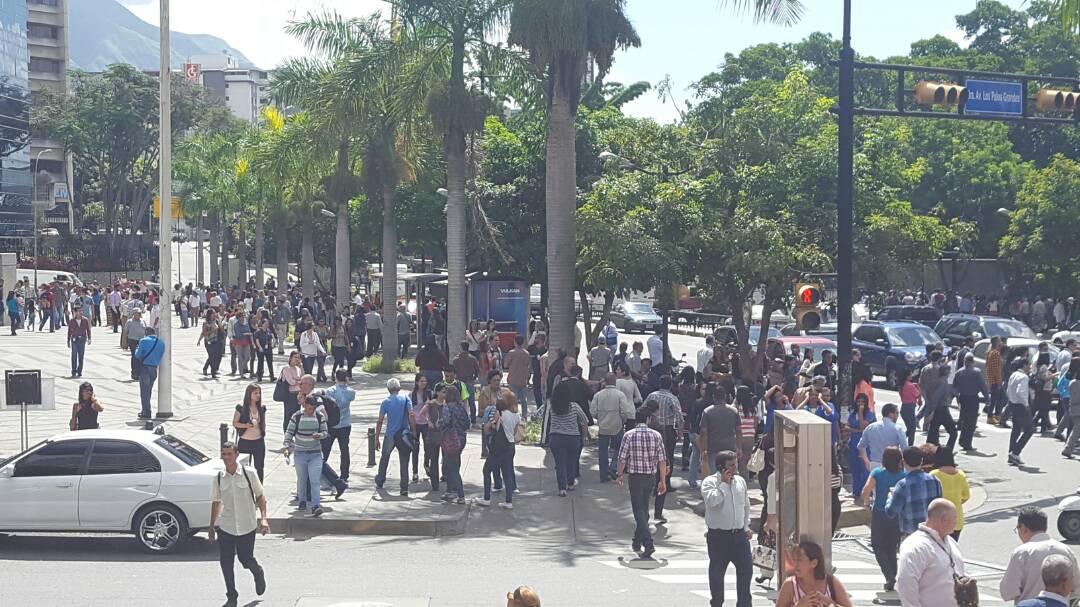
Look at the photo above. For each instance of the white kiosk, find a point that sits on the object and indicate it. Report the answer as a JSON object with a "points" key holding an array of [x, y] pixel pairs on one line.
{"points": [[803, 463]]}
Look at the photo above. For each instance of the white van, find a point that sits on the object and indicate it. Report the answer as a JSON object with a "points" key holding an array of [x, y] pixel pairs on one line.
{"points": [[45, 276]]}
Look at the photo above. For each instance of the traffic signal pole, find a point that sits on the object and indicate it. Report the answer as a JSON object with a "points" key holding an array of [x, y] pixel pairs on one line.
{"points": [[844, 215], [164, 220]]}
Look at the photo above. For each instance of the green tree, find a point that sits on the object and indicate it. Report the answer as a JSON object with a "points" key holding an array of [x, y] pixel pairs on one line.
{"points": [[562, 36]]}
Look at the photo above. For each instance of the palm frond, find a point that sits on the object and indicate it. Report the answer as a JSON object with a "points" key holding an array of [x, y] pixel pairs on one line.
{"points": [[777, 12]]}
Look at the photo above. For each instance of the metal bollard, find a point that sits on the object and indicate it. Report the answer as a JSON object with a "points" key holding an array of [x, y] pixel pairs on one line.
{"points": [[223, 432], [148, 424], [371, 447]]}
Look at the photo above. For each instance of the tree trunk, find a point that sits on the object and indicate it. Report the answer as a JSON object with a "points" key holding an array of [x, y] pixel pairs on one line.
{"points": [[260, 253], [456, 306], [586, 318], [609, 301], [226, 244], [199, 259], [241, 257], [342, 267], [307, 261], [215, 246], [389, 276], [281, 243], [561, 186]]}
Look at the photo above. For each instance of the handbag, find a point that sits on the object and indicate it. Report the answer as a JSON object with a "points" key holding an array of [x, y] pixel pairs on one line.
{"points": [[281, 389], [764, 554], [757, 460], [965, 589], [520, 433]]}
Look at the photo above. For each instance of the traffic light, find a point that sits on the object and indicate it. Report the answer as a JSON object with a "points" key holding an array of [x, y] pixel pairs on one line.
{"points": [[807, 309], [940, 93], [1052, 100]]}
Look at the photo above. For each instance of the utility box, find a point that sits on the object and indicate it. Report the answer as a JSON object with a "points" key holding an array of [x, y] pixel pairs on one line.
{"points": [[804, 493]]}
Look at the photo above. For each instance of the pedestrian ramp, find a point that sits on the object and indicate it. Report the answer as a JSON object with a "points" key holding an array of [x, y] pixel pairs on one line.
{"points": [[860, 576]]}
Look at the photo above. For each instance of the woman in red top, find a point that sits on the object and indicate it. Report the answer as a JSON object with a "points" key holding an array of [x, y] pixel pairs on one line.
{"points": [[910, 399]]}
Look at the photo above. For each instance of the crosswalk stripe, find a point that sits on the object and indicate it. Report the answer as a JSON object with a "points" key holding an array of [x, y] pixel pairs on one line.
{"points": [[704, 564], [703, 578], [858, 597]]}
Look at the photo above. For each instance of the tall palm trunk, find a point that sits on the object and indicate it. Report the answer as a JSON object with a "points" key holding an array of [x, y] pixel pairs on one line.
{"points": [[342, 269], [215, 246], [281, 243], [241, 257], [457, 312], [199, 273], [389, 276], [307, 261], [561, 196], [260, 246], [226, 245]]}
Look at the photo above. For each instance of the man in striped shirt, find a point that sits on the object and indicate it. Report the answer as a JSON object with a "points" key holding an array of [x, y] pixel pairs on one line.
{"points": [[641, 455]]}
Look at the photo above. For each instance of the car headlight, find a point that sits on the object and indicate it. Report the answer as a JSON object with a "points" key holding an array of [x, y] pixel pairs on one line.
{"points": [[912, 357]]}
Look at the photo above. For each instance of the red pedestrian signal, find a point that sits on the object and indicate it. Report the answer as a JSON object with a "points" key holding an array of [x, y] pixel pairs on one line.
{"points": [[807, 309]]}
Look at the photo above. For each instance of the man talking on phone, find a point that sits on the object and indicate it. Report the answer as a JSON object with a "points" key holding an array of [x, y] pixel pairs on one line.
{"points": [[236, 493], [727, 515]]}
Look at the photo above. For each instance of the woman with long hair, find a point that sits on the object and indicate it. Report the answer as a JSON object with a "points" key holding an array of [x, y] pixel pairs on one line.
{"points": [[431, 361], [687, 392], [748, 421], [860, 417], [567, 425], [910, 398], [810, 579], [432, 411], [473, 337], [13, 311], [250, 423], [884, 530], [500, 460], [419, 396], [291, 375], [209, 337], [84, 413]]}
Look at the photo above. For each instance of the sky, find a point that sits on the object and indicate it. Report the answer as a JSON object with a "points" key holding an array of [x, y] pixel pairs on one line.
{"points": [[683, 39]]}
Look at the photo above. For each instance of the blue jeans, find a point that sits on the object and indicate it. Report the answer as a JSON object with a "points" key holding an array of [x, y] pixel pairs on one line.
{"points": [[504, 463], [565, 449], [78, 351], [522, 395], [147, 377], [606, 442], [452, 472], [308, 473]]}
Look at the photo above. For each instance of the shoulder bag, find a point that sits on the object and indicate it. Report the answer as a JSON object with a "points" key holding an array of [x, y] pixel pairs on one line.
{"points": [[965, 589], [281, 389], [757, 459]]}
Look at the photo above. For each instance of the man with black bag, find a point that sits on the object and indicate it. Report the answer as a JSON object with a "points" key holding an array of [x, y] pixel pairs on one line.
{"points": [[397, 412], [235, 493]]}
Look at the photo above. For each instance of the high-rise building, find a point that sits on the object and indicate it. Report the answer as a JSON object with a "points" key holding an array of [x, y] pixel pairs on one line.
{"points": [[47, 43], [243, 90], [16, 220]]}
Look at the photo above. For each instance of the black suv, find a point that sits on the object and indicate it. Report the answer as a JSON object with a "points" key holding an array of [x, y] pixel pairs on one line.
{"points": [[955, 328], [927, 315]]}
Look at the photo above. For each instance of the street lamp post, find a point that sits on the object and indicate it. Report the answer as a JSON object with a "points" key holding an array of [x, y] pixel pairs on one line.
{"points": [[164, 219], [34, 210]]}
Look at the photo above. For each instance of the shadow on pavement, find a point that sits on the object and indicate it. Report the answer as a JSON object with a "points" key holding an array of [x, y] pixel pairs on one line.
{"points": [[38, 547]]}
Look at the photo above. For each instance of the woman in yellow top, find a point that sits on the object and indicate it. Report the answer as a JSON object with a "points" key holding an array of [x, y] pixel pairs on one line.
{"points": [[954, 484]]}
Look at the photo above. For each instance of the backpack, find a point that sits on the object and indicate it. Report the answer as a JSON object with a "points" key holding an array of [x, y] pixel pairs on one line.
{"points": [[333, 411]]}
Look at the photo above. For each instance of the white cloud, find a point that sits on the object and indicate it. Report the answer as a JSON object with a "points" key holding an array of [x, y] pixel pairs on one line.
{"points": [[255, 27], [957, 35]]}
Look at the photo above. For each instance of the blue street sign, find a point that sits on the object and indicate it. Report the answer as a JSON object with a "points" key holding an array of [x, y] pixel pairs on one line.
{"points": [[994, 97]]}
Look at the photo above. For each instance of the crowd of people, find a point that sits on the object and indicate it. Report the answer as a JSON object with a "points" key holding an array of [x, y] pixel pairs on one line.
{"points": [[1040, 313]]}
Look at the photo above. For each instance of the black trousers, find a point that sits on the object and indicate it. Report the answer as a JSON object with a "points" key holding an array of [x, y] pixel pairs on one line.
{"points": [[942, 417], [729, 547], [341, 435], [1022, 428], [242, 547], [668, 432], [969, 416], [257, 449], [431, 458], [374, 339], [266, 356], [1042, 411], [642, 487], [885, 540]]}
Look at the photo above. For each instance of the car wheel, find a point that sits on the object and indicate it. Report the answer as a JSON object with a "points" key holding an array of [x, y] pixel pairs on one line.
{"points": [[160, 528], [1069, 525]]}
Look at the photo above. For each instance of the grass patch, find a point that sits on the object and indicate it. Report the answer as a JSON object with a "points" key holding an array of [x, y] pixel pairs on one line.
{"points": [[375, 364], [532, 432]]}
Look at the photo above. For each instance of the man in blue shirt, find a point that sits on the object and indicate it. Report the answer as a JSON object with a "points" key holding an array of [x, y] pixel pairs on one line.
{"points": [[881, 434], [148, 353], [343, 395], [912, 494], [397, 412]]}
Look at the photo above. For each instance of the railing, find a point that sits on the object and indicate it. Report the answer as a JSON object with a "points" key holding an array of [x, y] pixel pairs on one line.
{"points": [[695, 321]]}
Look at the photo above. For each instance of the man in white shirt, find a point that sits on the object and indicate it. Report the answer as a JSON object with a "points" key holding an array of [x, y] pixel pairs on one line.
{"points": [[655, 344], [1023, 577], [114, 307], [929, 558], [235, 494], [705, 354], [374, 331], [1017, 394], [611, 409], [727, 516]]}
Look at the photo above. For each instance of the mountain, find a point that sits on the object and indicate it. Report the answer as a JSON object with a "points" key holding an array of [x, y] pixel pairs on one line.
{"points": [[103, 32]]}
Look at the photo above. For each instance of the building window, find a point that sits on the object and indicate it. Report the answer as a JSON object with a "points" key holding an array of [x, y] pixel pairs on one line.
{"points": [[38, 64], [37, 30], [226, 97], [46, 2]]}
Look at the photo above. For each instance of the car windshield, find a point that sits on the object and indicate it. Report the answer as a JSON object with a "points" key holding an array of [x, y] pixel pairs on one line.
{"points": [[755, 332], [912, 336], [181, 450], [1007, 328], [5, 460], [639, 308]]}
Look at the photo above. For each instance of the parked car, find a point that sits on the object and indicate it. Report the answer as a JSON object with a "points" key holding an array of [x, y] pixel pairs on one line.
{"points": [[955, 328], [1073, 332], [826, 330], [1031, 345], [927, 315], [633, 316], [887, 347], [725, 335], [152, 485], [778, 347], [45, 276]]}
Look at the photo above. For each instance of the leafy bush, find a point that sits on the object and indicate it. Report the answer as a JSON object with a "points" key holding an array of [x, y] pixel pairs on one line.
{"points": [[375, 365]]}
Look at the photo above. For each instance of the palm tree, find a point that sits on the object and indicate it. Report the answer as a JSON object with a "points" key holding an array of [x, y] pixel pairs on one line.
{"points": [[454, 32], [271, 153], [562, 36], [1070, 14]]}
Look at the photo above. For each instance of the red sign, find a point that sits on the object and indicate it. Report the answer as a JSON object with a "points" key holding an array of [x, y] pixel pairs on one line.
{"points": [[191, 72]]}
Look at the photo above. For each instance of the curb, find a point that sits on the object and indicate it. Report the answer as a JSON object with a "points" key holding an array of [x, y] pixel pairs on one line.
{"points": [[434, 527]]}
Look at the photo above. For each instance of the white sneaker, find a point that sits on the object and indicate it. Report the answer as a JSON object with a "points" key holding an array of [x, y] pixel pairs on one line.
{"points": [[506, 505], [482, 502]]}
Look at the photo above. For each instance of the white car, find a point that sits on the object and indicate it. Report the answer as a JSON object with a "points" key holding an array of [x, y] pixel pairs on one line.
{"points": [[1031, 345], [152, 485], [1073, 332]]}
